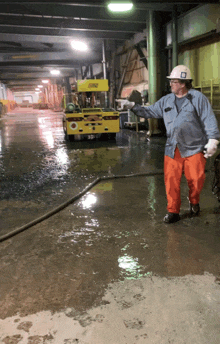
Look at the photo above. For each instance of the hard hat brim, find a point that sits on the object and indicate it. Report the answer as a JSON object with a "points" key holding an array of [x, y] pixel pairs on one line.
{"points": [[168, 77]]}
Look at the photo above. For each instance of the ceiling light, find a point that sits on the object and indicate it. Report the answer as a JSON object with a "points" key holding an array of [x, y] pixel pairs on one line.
{"points": [[55, 72], [37, 89], [45, 81], [77, 45], [120, 6], [40, 86]]}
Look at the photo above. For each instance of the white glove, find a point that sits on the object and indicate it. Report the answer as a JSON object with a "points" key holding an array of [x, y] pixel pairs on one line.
{"points": [[210, 148], [125, 104]]}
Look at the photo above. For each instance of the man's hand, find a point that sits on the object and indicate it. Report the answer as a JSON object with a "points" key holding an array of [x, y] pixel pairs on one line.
{"points": [[210, 148], [125, 104]]}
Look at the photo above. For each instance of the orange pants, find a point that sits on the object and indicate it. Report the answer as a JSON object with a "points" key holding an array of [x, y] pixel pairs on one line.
{"points": [[194, 170]]}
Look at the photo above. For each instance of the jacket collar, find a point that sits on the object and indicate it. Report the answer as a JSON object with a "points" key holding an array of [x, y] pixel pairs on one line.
{"points": [[171, 99], [188, 99]]}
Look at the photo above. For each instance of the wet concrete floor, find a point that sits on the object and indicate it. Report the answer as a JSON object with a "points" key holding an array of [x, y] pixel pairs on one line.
{"points": [[105, 269]]}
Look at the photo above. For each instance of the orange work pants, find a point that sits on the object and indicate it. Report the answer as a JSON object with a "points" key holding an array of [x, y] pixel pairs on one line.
{"points": [[194, 169]]}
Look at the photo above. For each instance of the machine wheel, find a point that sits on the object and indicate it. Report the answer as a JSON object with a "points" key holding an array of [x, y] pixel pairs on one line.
{"points": [[108, 136], [65, 132], [67, 137], [112, 136], [104, 137]]}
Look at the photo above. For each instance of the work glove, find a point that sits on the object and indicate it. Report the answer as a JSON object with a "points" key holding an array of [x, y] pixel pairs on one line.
{"points": [[210, 148], [125, 104]]}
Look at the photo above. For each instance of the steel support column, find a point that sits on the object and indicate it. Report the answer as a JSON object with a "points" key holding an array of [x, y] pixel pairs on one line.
{"points": [[104, 68], [174, 37], [152, 53], [112, 82], [153, 63], [68, 91]]}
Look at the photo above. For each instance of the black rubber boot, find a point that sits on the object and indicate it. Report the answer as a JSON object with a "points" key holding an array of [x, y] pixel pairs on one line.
{"points": [[171, 218], [194, 209]]}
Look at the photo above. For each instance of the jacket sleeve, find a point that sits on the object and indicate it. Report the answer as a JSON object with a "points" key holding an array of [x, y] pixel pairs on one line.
{"points": [[208, 118], [152, 111]]}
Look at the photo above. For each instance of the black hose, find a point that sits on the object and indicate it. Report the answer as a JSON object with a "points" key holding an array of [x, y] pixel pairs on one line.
{"points": [[72, 200]]}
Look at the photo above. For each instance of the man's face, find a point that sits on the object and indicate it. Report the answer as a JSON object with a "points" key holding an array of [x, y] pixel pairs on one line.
{"points": [[176, 86]]}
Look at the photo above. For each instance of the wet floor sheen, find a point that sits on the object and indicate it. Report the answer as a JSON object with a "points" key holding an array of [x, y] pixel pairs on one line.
{"points": [[113, 232], [39, 169]]}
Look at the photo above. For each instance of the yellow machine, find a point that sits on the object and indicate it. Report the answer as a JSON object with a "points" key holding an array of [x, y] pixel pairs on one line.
{"points": [[80, 121], [6, 105]]}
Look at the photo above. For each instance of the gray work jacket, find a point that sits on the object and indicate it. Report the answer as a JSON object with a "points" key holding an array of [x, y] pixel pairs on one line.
{"points": [[190, 129]]}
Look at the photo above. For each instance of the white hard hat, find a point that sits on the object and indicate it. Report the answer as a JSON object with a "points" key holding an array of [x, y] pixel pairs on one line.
{"points": [[180, 72]]}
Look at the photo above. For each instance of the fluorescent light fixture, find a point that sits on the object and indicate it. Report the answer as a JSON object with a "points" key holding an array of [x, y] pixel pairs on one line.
{"points": [[80, 46], [120, 6], [37, 89], [55, 72], [45, 81], [40, 86]]}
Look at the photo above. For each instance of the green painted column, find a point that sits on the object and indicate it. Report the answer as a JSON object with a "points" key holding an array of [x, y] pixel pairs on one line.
{"points": [[174, 37], [152, 57]]}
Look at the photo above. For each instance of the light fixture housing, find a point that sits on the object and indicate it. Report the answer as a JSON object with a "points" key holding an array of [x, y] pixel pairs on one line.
{"points": [[120, 6], [55, 72], [78, 45]]}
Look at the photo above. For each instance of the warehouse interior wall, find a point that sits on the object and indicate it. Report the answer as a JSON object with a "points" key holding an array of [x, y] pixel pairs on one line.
{"points": [[198, 22], [203, 61], [195, 23], [199, 43]]}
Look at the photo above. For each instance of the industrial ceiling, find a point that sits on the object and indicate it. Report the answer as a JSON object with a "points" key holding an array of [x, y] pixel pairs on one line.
{"points": [[35, 35]]}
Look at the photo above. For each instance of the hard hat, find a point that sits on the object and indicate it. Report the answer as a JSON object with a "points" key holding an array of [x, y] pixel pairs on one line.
{"points": [[180, 72]]}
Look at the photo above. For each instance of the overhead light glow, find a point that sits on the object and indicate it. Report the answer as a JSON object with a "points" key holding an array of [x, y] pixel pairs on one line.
{"points": [[120, 6], [40, 86], [37, 89], [45, 81], [80, 46], [55, 72]]}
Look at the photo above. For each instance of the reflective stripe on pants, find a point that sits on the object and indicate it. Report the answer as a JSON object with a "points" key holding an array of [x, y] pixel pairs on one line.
{"points": [[194, 169]]}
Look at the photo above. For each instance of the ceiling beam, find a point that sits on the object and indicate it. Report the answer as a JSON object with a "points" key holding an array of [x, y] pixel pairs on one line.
{"points": [[44, 38], [60, 10], [63, 32], [141, 4], [71, 24], [47, 63]]}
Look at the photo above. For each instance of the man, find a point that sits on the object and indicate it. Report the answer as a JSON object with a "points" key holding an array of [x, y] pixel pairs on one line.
{"points": [[192, 136]]}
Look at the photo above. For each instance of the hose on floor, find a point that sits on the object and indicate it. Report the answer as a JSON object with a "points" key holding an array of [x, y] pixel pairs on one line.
{"points": [[72, 200]]}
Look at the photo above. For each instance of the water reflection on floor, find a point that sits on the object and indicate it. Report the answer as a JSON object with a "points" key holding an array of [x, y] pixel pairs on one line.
{"points": [[114, 232], [41, 169]]}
